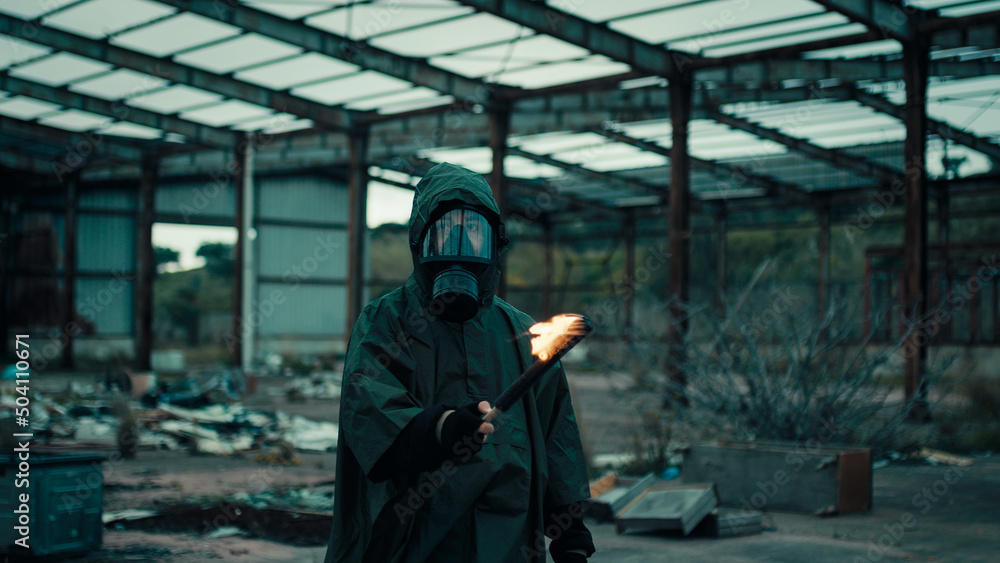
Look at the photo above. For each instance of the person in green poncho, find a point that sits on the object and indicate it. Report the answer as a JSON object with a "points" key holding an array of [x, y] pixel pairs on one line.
{"points": [[420, 476]]}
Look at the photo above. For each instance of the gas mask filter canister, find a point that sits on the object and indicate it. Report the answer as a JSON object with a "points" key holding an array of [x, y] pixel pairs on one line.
{"points": [[457, 248]]}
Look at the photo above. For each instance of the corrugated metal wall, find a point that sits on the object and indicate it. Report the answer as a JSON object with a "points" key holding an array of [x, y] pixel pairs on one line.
{"points": [[207, 202], [301, 254], [106, 260]]}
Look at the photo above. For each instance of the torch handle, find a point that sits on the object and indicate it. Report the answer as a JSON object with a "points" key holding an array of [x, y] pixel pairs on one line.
{"points": [[516, 390]]}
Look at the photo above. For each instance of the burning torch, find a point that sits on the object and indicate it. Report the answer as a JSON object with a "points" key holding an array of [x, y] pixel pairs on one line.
{"points": [[551, 342]]}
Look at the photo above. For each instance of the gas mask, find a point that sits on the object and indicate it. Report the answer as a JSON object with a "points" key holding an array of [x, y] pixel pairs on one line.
{"points": [[457, 248]]}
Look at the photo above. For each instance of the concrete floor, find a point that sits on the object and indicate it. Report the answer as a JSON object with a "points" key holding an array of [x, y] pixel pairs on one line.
{"points": [[921, 512]]}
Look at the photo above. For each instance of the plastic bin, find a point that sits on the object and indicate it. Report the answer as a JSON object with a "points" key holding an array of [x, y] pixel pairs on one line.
{"points": [[65, 497]]}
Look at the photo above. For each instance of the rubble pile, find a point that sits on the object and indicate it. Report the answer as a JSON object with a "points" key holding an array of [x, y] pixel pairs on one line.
{"points": [[200, 413]]}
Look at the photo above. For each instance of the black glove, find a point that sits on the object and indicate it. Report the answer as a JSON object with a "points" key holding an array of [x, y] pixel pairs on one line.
{"points": [[568, 534], [460, 436], [415, 449]]}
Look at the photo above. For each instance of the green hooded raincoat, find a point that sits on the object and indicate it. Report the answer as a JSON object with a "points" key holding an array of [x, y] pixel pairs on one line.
{"points": [[402, 359]]}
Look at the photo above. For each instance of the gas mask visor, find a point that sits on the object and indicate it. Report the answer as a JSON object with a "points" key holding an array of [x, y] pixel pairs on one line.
{"points": [[457, 248]]}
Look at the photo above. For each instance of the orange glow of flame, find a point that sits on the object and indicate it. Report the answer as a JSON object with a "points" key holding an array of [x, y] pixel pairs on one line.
{"points": [[552, 335]]}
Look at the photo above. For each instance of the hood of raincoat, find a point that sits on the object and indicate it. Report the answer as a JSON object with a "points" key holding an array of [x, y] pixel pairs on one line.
{"points": [[444, 187]]}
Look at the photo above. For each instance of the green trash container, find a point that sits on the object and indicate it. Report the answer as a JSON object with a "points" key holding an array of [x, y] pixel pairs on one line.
{"points": [[64, 501]]}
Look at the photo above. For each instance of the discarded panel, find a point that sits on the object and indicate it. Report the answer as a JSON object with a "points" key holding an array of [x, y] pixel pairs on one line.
{"points": [[624, 490], [728, 523], [784, 476], [672, 507]]}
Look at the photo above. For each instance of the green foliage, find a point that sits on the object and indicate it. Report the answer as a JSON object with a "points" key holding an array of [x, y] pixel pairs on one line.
{"points": [[218, 258], [163, 256]]}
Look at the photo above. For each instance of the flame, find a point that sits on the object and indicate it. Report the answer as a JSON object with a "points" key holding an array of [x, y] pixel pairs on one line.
{"points": [[553, 334]]}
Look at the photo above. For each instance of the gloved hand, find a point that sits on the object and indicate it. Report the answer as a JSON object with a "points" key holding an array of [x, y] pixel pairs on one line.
{"points": [[417, 447], [570, 557], [463, 430]]}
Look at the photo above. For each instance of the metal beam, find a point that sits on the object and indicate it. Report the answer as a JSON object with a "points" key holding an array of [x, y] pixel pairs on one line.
{"points": [[940, 128], [414, 70], [357, 227], [643, 187], [330, 117], [70, 151], [596, 38], [765, 73], [70, 230], [679, 235], [836, 157], [194, 132], [145, 265], [724, 172], [891, 19], [916, 55], [499, 116]]}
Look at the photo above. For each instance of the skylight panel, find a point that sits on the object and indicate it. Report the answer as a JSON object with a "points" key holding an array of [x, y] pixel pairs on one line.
{"points": [[491, 60], [31, 9], [782, 41], [477, 159], [294, 10], [97, 19], [243, 51], [411, 95], [560, 73], [23, 107], [611, 156], [14, 51], [549, 143], [520, 167], [874, 48], [603, 11], [710, 18], [367, 20], [354, 87], [122, 83], [647, 129], [226, 113], [416, 104], [637, 159], [176, 98], [76, 120], [310, 67], [274, 123], [128, 129], [470, 31], [970, 9], [712, 39], [855, 138], [59, 69], [180, 32]]}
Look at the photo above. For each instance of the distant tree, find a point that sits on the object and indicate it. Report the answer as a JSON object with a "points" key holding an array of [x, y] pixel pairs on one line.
{"points": [[218, 258], [163, 256]]}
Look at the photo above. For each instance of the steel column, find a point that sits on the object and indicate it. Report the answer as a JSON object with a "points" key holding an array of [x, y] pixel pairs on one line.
{"points": [[357, 224], [679, 230], [823, 245], [721, 247], [628, 287], [145, 264], [916, 62], [6, 240], [499, 131], [70, 327], [236, 344], [547, 281], [248, 273]]}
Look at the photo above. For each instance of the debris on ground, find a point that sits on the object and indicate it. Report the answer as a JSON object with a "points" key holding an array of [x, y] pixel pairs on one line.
{"points": [[200, 412]]}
